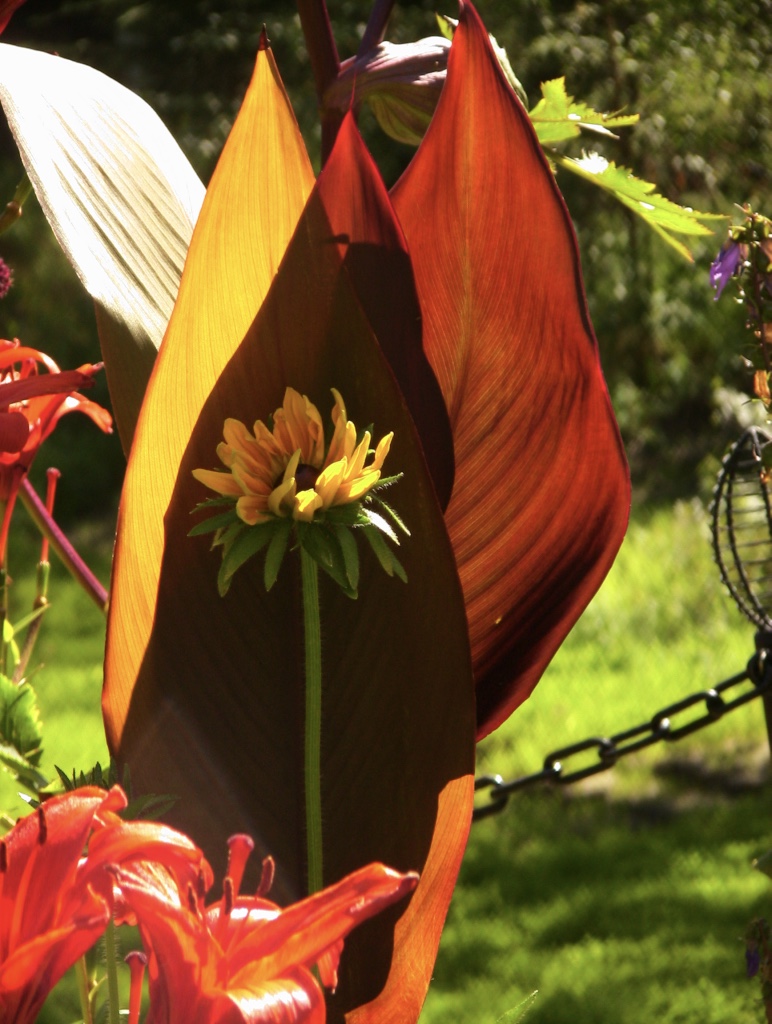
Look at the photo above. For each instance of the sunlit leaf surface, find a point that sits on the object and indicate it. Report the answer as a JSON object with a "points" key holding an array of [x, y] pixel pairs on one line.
{"points": [[119, 194], [541, 494]]}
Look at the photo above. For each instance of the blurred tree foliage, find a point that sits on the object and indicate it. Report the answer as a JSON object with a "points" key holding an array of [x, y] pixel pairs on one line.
{"points": [[697, 74]]}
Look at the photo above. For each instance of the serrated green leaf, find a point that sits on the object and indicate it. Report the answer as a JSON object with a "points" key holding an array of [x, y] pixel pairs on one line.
{"points": [[557, 116], [274, 556], [662, 215], [20, 725]]}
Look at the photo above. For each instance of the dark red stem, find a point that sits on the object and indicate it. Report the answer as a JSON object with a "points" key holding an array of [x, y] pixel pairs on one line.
{"points": [[323, 54], [376, 26], [62, 546]]}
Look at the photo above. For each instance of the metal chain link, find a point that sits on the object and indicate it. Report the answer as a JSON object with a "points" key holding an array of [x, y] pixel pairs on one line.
{"points": [[660, 728]]}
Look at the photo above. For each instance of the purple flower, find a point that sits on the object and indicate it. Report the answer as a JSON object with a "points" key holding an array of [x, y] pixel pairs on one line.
{"points": [[6, 278], [752, 961], [724, 266]]}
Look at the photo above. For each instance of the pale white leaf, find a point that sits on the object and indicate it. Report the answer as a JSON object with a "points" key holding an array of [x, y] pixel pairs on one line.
{"points": [[116, 188]]}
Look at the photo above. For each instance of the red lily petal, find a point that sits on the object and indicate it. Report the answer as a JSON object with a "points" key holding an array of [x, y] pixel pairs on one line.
{"points": [[47, 919], [253, 956], [541, 497], [12, 391], [14, 431]]}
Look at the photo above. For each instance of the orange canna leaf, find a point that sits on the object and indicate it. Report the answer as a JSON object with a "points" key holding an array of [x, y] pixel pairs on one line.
{"points": [[253, 204], [541, 495]]}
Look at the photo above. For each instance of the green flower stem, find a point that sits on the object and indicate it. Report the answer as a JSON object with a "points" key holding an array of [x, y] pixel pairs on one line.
{"points": [[313, 730], [81, 974], [111, 964]]}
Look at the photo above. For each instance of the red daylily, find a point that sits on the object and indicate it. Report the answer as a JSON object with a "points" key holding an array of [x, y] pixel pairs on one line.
{"points": [[31, 404], [48, 917], [55, 902], [243, 960]]}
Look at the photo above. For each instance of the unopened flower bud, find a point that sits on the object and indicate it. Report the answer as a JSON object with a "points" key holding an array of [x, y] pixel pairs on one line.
{"points": [[401, 82]]}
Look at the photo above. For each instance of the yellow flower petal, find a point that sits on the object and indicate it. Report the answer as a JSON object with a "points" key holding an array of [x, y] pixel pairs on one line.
{"points": [[216, 480], [306, 503]]}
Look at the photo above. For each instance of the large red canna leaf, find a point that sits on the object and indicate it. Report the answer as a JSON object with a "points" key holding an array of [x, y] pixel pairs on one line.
{"points": [[377, 263], [210, 706], [541, 494]]}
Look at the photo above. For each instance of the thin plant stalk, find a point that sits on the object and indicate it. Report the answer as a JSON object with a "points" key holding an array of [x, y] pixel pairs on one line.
{"points": [[111, 967], [313, 720], [62, 546], [81, 975]]}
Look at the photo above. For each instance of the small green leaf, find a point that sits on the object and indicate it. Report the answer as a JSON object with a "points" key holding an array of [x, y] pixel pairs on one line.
{"points": [[557, 116], [20, 726]]}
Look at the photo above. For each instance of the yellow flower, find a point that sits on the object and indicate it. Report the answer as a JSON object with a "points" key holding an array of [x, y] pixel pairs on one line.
{"points": [[286, 472]]}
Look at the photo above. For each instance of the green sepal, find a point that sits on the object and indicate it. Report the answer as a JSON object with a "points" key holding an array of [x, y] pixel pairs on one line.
{"points": [[277, 548], [241, 543], [394, 515], [350, 552], [376, 520], [343, 515], [323, 546], [218, 522], [389, 561], [148, 805]]}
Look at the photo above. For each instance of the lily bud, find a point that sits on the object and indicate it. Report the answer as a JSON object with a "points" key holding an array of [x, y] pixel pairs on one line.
{"points": [[401, 82]]}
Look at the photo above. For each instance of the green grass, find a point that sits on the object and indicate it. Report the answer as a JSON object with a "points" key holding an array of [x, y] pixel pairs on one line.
{"points": [[67, 662], [621, 899]]}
